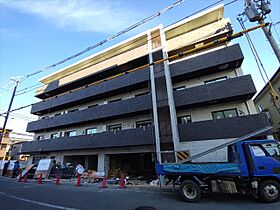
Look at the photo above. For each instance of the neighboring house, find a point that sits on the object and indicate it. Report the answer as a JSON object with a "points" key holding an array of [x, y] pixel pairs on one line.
{"points": [[15, 152], [271, 105], [94, 114], [5, 144]]}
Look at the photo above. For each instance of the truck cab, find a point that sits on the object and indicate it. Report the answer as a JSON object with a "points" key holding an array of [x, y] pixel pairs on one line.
{"points": [[253, 167]]}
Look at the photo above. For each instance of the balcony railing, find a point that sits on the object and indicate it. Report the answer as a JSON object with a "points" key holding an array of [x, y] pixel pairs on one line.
{"points": [[239, 88], [204, 64], [130, 137], [222, 128]]}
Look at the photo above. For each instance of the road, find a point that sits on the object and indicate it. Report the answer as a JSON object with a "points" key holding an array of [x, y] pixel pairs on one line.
{"points": [[14, 195]]}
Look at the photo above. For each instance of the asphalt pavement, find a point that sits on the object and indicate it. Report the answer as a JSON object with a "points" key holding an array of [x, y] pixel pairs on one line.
{"points": [[31, 195]]}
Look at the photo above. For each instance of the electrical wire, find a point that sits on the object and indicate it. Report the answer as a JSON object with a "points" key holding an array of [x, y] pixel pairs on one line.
{"points": [[252, 49], [207, 7], [276, 32], [258, 61], [180, 54], [157, 14]]}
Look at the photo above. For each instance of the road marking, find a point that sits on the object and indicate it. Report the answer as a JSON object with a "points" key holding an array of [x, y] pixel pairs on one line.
{"points": [[37, 202]]}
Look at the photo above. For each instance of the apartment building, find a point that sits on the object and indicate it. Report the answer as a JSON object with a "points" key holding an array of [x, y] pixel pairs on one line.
{"points": [[5, 144], [120, 109]]}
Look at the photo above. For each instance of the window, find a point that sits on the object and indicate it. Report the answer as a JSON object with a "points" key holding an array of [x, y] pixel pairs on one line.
{"points": [[179, 88], [114, 128], [215, 80], [184, 119], [115, 100], [72, 110], [45, 117], [257, 151], [272, 149], [71, 133], [143, 124], [40, 137], [224, 114], [57, 114], [55, 135], [91, 131], [90, 106]]}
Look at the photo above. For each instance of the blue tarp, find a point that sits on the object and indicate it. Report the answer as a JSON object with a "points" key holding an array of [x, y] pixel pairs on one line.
{"points": [[226, 168]]}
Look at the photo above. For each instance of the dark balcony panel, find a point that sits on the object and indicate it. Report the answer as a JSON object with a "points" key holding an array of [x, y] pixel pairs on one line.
{"points": [[215, 61], [222, 128], [131, 137], [238, 88], [129, 107], [125, 83], [53, 90]]}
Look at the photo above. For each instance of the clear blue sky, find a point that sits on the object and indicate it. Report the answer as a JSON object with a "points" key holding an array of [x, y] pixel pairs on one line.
{"points": [[34, 34]]}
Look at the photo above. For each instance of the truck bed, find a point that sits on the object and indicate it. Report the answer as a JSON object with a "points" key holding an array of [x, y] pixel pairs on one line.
{"points": [[230, 169]]}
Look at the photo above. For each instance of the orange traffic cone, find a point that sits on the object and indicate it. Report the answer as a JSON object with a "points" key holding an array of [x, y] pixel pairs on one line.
{"points": [[40, 179], [104, 182], [79, 181], [20, 177], [122, 183], [57, 182], [25, 178]]}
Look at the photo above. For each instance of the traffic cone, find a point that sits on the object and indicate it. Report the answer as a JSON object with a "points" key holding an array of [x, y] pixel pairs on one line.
{"points": [[104, 182], [122, 183], [20, 177], [25, 178], [40, 179], [57, 182], [79, 181]]}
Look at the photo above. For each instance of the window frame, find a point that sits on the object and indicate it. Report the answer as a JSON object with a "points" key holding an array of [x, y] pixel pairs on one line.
{"points": [[52, 134], [108, 127], [223, 110], [86, 130], [67, 133], [179, 117], [146, 123]]}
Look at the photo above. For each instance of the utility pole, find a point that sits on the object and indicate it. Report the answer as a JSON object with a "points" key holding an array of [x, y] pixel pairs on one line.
{"points": [[17, 81], [257, 11]]}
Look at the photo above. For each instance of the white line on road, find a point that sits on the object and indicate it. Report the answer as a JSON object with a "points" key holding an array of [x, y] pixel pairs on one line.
{"points": [[37, 202]]}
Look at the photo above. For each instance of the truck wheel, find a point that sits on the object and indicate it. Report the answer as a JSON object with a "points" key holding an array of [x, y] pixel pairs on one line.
{"points": [[269, 191], [190, 191]]}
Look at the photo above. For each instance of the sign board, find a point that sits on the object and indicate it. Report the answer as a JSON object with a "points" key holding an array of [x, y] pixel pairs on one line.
{"points": [[27, 169], [44, 168]]}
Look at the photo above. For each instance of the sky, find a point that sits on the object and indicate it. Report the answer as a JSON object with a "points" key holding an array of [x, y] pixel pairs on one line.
{"points": [[38, 33]]}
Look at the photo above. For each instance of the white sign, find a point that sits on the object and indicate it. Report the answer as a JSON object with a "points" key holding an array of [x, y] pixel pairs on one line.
{"points": [[11, 165], [44, 165]]}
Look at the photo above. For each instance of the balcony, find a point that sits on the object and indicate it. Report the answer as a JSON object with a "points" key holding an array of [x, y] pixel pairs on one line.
{"points": [[115, 86], [222, 128], [216, 61], [130, 137], [204, 64], [238, 88], [212, 129], [126, 108]]}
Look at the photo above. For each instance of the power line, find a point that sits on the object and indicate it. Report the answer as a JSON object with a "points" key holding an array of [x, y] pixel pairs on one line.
{"points": [[180, 54], [176, 3], [207, 7], [273, 25]]}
